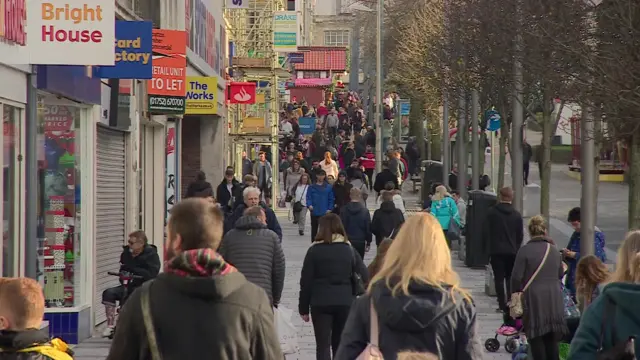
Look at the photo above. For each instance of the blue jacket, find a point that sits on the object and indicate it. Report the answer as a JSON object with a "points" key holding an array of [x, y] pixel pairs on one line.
{"points": [[574, 245], [321, 198], [443, 210]]}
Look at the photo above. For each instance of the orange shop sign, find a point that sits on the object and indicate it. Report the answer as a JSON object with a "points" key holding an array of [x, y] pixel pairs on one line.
{"points": [[63, 32], [167, 89], [12, 21]]}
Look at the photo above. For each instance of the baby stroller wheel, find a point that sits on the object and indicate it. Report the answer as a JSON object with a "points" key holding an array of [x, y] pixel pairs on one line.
{"points": [[511, 345], [492, 345]]}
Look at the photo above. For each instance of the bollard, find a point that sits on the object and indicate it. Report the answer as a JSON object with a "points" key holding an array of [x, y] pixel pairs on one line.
{"points": [[489, 283], [462, 252]]}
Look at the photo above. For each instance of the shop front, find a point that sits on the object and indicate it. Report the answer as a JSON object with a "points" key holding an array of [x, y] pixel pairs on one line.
{"points": [[68, 111]]}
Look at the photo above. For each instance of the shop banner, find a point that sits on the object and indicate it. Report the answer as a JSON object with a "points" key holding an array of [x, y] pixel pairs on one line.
{"points": [[61, 32], [12, 21], [168, 86], [133, 52], [285, 31], [201, 95], [201, 34], [237, 4], [307, 125]]}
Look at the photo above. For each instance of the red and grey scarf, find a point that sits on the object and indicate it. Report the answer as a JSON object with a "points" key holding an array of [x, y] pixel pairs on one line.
{"points": [[199, 263]]}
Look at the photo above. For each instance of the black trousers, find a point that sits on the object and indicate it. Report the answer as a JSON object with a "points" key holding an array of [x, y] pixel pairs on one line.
{"points": [[502, 266], [328, 322], [369, 173], [525, 168], [544, 347], [314, 226], [359, 246]]}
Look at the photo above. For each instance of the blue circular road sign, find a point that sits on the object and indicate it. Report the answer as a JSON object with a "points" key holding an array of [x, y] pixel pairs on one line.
{"points": [[493, 120]]}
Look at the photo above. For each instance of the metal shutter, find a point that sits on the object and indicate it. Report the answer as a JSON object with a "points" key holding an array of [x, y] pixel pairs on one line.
{"points": [[110, 212]]}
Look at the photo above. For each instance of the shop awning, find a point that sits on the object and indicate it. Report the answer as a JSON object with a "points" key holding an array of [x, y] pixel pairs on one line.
{"points": [[312, 82]]}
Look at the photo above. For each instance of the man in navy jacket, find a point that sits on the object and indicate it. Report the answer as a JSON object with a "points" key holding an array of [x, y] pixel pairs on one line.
{"points": [[251, 197]]}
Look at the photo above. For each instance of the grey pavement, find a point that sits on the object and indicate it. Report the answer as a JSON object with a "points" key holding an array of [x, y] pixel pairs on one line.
{"points": [[295, 248]]}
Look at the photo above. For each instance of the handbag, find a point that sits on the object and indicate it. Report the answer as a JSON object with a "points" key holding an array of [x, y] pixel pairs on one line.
{"points": [[571, 311], [148, 321], [453, 232], [515, 306], [624, 350], [372, 351], [357, 285], [297, 206]]}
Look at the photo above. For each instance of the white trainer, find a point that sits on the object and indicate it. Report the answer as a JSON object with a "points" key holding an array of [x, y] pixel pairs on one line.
{"points": [[108, 331]]}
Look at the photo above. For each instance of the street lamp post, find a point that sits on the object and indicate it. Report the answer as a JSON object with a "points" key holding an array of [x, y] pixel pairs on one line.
{"points": [[378, 104]]}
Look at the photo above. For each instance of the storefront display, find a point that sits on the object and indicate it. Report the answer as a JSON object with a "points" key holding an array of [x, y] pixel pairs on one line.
{"points": [[59, 204], [10, 125]]}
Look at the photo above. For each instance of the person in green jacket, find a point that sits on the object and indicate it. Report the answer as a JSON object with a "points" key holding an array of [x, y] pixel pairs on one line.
{"points": [[616, 306]]}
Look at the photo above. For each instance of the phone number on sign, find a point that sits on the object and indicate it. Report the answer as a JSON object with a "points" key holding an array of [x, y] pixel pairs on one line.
{"points": [[166, 102]]}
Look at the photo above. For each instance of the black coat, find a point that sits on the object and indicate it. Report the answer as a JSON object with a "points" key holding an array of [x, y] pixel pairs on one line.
{"points": [[357, 222], [272, 220], [384, 177], [147, 264], [427, 320], [222, 317], [386, 220], [325, 279], [341, 194], [223, 196], [503, 230]]}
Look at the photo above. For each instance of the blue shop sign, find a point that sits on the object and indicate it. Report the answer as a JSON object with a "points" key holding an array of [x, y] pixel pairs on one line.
{"points": [[70, 81], [307, 125], [133, 52]]}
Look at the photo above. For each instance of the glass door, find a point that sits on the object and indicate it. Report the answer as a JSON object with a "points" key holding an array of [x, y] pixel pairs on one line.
{"points": [[11, 185]]}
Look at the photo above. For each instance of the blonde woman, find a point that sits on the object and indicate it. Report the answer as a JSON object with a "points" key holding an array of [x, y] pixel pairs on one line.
{"points": [[543, 300], [591, 276], [418, 300], [616, 306], [444, 208], [329, 165]]}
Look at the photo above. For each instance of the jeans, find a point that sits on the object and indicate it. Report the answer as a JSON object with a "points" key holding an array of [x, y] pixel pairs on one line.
{"points": [[328, 323], [502, 266], [369, 173], [112, 295], [301, 218], [525, 168], [314, 226], [544, 347]]}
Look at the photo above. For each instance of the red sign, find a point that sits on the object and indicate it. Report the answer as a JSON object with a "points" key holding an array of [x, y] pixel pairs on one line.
{"points": [[57, 118], [241, 93], [12, 21], [171, 140]]}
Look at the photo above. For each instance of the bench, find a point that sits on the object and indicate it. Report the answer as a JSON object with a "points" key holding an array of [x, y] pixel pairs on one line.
{"points": [[416, 180]]}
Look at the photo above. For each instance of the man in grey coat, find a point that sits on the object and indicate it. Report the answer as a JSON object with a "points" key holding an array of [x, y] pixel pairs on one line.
{"points": [[256, 252]]}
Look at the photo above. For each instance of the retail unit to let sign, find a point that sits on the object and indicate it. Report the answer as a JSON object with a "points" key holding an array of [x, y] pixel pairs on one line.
{"points": [[285, 31], [307, 125], [201, 95], [133, 52], [168, 86], [12, 21], [237, 4], [62, 32], [241, 93]]}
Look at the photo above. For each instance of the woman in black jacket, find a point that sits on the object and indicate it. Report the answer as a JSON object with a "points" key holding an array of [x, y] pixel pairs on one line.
{"points": [[325, 284], [341, 190], [417, 298], [387, 220]]}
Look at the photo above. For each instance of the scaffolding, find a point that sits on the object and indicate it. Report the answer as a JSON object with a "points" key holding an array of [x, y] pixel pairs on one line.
{"points": [[254, 59]]}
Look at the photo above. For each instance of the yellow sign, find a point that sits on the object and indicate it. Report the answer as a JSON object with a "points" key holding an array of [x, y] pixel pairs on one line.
{"points": [[259, 98], [201, 95]]}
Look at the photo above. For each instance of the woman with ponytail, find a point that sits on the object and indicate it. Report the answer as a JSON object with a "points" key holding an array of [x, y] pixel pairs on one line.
{"points": [[617, 305]]}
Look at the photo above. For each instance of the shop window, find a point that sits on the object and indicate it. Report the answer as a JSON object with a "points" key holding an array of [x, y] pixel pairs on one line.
{"points": [[10, 124], [59, 205]]}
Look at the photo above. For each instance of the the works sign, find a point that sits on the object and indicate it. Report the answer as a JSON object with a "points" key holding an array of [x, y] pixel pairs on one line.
{"points": [[12, 21]]}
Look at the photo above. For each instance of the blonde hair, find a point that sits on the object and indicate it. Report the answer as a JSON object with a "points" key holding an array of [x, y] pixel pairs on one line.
{"points": [[22, 302], [428, 262], [537, 226], [407, 355], [441, 193], [628, 266]]}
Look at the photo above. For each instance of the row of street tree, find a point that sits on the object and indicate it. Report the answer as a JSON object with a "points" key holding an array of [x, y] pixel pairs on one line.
{"points": [[584, 52]]}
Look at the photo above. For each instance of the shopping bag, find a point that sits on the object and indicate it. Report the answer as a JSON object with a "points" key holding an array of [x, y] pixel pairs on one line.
{"points": [[287, 333]]}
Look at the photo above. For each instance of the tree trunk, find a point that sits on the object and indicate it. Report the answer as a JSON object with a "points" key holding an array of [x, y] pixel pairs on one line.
{"points": [[435, 136], [545, 160], [504, 135], [597, 127], [634, 181]]}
